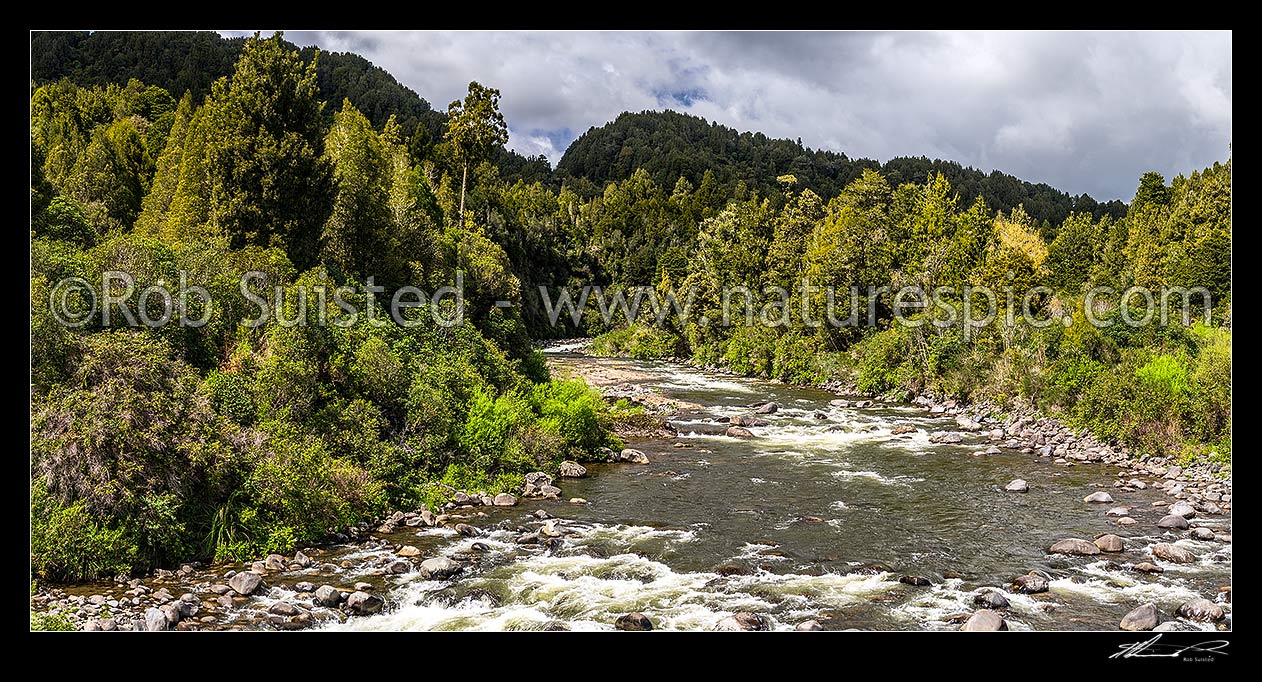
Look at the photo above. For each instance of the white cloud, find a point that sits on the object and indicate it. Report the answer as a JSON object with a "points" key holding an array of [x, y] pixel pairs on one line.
{"points": [[1083, 111]]}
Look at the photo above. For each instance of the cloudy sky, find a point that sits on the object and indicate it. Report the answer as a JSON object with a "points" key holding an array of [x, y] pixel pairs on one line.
{"points": [[1085, 112]]}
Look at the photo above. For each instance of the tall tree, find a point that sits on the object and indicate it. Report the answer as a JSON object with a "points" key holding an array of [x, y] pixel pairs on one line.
{"points": [[269, 183], [474, 128]]}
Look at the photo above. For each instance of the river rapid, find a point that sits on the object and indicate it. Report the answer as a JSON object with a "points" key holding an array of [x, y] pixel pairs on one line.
{"points": [[817, 517]]}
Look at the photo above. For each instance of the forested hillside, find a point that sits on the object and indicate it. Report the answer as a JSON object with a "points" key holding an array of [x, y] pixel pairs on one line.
{"points": [[670, 145], [152, 445]]}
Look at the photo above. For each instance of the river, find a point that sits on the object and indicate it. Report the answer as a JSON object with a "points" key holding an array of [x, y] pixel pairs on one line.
{"points": [[814, 518]]}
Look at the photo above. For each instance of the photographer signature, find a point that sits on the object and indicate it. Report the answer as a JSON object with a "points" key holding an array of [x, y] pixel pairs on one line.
{"points": [[1151, 649]]}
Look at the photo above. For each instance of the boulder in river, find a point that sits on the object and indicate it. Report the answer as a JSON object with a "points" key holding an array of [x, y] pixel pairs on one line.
{"points": [[739, 432], [245, 582], [439, 568], [1074, 546], [363, 603], [1173, 521], [408, 550], [327, 595], [767, 408], [467, 530], [504, 500], [901, 428], [631, 456], [1029, 584], [743, 621], [1201, 533], [1017, 485], [304, 587], [274, 562], [945, 437], [1098, 497], [990, 599], [1118, 511], [1141, 618], [918, 580], [1147, 567], [572, 470], [746, 421], [155, 620], [1109, 543], [1172, 553], [1126, 521], [1203, 610], [1182, 509], [984, 620], [633, 622], [809, 626]]}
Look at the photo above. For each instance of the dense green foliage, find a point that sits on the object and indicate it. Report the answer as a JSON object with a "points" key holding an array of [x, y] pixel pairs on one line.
{"points": [[227, 440], [670, 145]]}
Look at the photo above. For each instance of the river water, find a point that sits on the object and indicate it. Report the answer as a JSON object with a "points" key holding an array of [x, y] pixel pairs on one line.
{"points": [[812, 519]]}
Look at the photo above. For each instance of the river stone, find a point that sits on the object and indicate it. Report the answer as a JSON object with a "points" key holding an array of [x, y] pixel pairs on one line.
{"points": [[439, 568], [632, 456], [327, 595], [364, 604], [427, 517], [633, 622], [91, 626], [1017, 486], [1099, 497], [742, 621], [1172, 553], [467, 530], [282, 608], [408, 550], [504, 500], [1074, 546], [549, 492], [1118, 511], [155, 620], [767, 408], [302, 559], [746, 420], [1126, 521], [399, 567], [364, 587], [1201, 534], [917, 580], [1182, 509], [1201, 609], [899, 429], [1142, 618], [1147, 567], [990, 599], [245, 582], [1173, 521], [1030, 584], [984, 620], [462, 498], [947, 437], [171, 612], [304, 587], [809, 626], [839, 402], [739, 432], [274, 562], [572, 470], [1109, 543]]}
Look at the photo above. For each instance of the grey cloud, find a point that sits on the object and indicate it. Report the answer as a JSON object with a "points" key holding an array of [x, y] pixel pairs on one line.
{"points": [[1083, 111]]}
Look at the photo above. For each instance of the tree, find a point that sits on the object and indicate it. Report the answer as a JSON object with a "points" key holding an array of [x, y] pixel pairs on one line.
{"points": [[269, 184], [475, 127]]}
